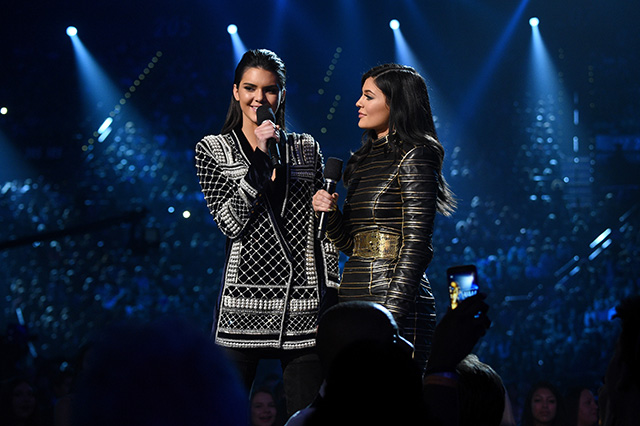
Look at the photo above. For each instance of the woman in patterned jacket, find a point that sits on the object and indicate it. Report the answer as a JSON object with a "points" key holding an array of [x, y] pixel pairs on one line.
{"points": [[276, 272], [394, 188]]}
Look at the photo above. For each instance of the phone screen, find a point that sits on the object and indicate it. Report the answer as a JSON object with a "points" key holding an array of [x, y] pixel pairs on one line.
{"points": [[463, 283]]}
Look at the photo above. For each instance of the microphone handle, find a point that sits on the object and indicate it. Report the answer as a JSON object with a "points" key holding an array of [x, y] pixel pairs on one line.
{"points": [[274, 153], [330, 187]]}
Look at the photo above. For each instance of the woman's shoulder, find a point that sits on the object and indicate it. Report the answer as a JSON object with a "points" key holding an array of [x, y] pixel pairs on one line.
{"points": [[412, 150], [217, 146], [304, 138], [303, 142], [211, 140]]}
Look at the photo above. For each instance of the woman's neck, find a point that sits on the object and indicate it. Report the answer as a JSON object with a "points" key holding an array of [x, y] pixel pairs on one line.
{"points": [[382, 134], [248, 128]]}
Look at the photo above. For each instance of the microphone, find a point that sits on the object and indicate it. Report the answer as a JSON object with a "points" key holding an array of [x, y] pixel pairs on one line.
{"points": [[266, 113], [332, 175]]}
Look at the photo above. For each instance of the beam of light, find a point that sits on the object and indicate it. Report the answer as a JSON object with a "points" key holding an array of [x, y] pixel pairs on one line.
{"points": [[567, 265], [600, 249], [127, 119], [105, 125], [595, 253], [626, 215], [238, 46], [404, 55], [104, 134], [600, 238], [549, 95], [98, 92], [542, 71], [481, 83], [561, 281]]}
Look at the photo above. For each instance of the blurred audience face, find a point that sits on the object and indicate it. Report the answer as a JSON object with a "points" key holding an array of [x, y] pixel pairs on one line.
{"points": [[543, 406], [263, 409], [588, 409], [23, 401]]}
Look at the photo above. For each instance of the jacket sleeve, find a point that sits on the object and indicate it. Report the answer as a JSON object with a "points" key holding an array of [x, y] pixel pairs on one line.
{"points": [[231, 188], [417, 177], [329, 251]]}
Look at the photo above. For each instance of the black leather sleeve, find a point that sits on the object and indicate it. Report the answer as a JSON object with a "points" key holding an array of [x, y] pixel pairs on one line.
{"points": [[418, 185]]}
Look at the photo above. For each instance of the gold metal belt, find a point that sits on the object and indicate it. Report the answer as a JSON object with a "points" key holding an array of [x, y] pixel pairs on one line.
{"points": [[376, 244]]}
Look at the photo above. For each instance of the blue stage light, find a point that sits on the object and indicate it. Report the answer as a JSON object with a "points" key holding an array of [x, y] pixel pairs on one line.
{"points": [[72, 31], [232, 29], [534, 22], [394, 24]]}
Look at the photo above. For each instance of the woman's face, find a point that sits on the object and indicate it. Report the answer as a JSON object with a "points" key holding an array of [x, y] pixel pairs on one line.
{"points": [[373, 110], [543, 406], [263, 409], [23, 401], [587, 409], [257, 87]]}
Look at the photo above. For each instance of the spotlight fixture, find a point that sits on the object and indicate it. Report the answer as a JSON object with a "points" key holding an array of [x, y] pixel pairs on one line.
{"points": [[534, 22], [394, 24], [232, 29], [72, 31]]}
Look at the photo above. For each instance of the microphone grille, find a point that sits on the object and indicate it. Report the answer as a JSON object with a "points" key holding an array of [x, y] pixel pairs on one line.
{"points": [[333, 169], [264, 113]]}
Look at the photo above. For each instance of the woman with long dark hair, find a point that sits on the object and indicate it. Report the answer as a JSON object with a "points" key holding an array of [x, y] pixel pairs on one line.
{"points": [[543, 406], [276, 272], [395, 187], [582, 408]]}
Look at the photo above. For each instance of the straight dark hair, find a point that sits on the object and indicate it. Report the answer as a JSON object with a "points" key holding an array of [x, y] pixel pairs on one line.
{"points": [[266, 60], [410, 123], [572, 404], [527, 412]]}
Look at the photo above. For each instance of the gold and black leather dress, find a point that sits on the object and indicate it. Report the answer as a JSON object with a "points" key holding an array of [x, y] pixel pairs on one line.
{"points": [[386, 229]]}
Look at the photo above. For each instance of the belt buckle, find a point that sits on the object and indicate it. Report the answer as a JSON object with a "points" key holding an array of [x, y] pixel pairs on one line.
{"points": [[376, 244]]}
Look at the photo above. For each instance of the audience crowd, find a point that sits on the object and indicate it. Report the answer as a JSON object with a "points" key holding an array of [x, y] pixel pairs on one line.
{"points": [[127, 236]]}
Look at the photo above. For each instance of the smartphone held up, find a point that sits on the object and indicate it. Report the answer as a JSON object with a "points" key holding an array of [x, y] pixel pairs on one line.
{"points": [[463, 283]]}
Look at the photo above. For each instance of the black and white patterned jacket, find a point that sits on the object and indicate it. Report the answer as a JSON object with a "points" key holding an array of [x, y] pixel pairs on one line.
{"points": [[275, 275]]}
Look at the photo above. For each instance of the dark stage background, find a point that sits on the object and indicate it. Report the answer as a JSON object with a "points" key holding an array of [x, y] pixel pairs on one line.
{"points": [[544, 160]]}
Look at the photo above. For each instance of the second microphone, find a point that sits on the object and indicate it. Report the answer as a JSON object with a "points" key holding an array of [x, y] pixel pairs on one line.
{"points": [[332, 175]]}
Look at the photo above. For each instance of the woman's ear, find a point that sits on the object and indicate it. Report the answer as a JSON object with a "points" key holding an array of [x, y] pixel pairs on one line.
{"points": [[236, 96], [283, 93]]}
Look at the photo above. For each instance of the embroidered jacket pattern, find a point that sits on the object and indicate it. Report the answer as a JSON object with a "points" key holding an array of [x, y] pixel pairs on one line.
{"points": [[275, 274]]}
